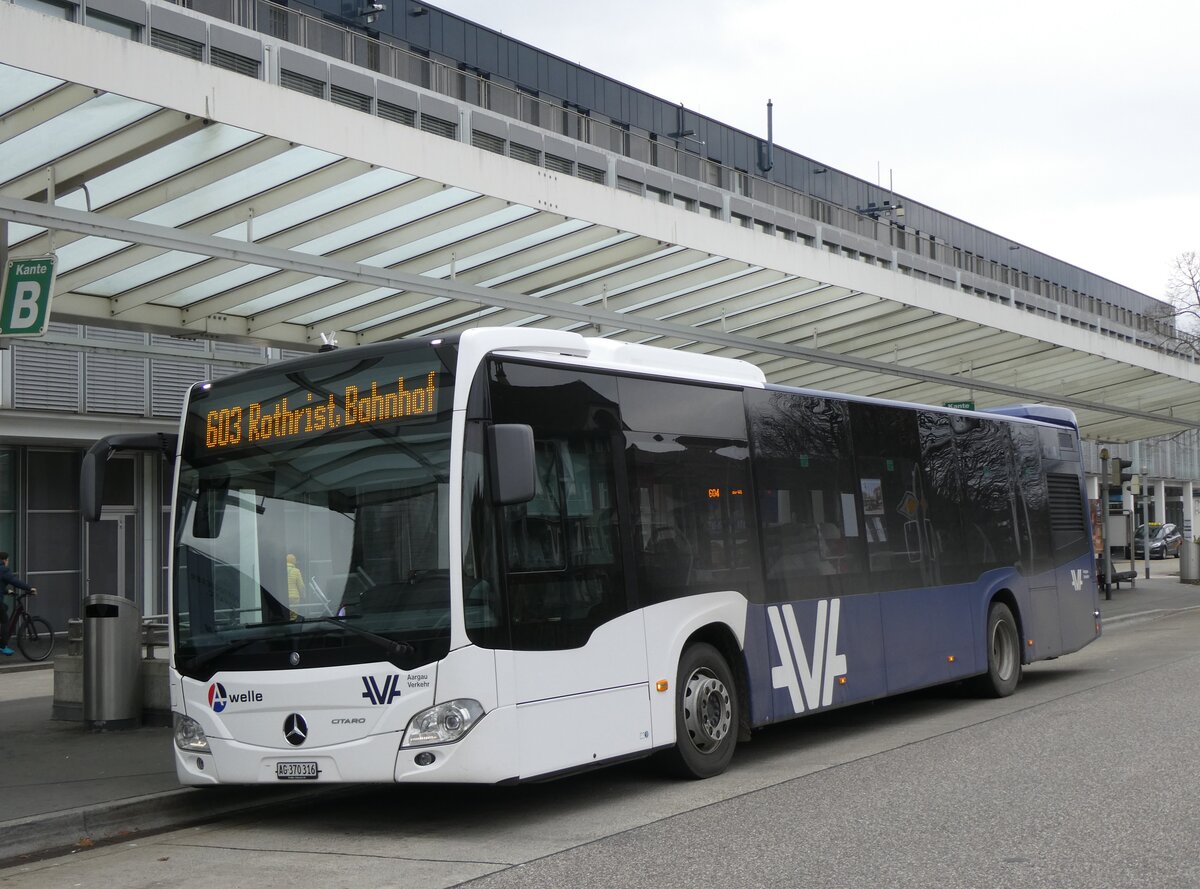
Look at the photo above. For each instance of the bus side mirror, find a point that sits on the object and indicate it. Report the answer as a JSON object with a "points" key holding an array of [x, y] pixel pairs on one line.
{"points": [[91, 480], [91, 475], [510, 452]]}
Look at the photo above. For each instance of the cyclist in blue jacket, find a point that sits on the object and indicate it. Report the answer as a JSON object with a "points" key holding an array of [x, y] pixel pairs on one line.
{"points": [[7, 579]]}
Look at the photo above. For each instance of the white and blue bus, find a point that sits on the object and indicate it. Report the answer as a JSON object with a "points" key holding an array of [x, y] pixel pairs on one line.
{"points": [[513, 554]]}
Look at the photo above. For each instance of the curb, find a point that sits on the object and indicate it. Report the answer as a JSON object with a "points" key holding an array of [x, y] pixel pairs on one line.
{"points": [[10, 666], [34, 837], [1138, 617]]}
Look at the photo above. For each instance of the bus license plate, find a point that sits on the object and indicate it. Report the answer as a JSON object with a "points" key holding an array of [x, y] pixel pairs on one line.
{"points": [[289, 771]]}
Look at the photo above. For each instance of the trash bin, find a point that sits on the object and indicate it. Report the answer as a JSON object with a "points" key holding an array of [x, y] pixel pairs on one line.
{"points": [[112, 663], [1189, 561]]}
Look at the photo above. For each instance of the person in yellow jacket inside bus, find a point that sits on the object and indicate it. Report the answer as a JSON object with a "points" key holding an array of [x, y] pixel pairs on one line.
{"points": [[295, 583]]}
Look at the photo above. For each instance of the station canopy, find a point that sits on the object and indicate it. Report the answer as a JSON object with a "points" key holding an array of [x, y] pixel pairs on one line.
{"points": [[221, 206]]}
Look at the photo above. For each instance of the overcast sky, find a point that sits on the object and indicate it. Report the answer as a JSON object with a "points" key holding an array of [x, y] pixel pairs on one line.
{"points": [[1069, 127]]}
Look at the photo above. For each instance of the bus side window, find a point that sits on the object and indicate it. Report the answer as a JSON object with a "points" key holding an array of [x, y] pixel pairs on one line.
{"points": [[812, 537], [887, 455], [985, 450], [534, 529]]}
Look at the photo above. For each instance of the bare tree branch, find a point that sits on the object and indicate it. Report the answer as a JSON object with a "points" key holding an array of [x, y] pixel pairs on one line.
{"points": [[1178, 324]]}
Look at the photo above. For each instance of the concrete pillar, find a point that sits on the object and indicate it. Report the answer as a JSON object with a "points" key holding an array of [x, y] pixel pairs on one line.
{"points": [[1189, 570], [1160, 501]]}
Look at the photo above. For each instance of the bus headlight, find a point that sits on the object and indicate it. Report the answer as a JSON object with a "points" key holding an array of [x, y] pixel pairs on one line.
{"points": [[189, 736], [443, 724]]}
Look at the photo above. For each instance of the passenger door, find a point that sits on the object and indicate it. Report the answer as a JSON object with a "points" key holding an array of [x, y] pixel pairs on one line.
{"points": [[577, 667]]}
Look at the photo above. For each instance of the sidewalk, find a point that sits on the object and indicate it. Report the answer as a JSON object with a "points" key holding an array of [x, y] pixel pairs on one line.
{"points": [[63, 787]]}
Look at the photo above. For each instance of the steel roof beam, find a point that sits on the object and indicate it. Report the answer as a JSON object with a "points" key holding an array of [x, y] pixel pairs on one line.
{"points": [[107, 153], [915, 327], [348, 320], [45, 107], [439, 317], [331, 297], [374, 245], [230, 215], [152, 196], [197, 274], [657, 263]]}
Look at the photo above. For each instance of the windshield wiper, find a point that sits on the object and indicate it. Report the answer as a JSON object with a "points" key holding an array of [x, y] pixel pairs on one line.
{"points": [[195, 662], [391, 646]]}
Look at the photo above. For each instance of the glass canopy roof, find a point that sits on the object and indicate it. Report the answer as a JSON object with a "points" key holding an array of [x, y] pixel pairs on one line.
{"points": [[181, 224]]}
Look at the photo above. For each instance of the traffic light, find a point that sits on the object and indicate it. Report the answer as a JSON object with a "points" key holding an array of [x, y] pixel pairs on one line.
{"points": [[1122, 474]]}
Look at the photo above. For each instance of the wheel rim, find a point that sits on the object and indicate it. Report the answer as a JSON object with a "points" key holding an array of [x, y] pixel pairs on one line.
{"points": [[707, 709], [1004, 650], [35, 641]]}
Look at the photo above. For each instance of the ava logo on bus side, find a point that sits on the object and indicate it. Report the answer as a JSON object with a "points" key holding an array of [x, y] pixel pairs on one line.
{"points": [[809, 680]]}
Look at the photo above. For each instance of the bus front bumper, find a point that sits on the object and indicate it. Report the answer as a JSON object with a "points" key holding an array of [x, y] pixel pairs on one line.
{"points": [[485, 755]]}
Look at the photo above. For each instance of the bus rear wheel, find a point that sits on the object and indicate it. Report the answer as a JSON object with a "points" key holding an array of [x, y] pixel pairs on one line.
{"points": [[706, 714], [1003, 654]]}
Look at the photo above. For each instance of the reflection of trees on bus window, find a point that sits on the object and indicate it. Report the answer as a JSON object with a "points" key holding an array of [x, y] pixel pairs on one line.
{"points": [[812, 540], [1033, 499], [991, 514]]}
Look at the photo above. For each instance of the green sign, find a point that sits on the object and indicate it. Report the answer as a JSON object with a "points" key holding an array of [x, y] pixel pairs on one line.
{"points": [[961, 405], [25, 296]]}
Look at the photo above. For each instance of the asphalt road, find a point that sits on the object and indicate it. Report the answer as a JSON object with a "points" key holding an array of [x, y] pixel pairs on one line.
{"points": [[1086, 777]]}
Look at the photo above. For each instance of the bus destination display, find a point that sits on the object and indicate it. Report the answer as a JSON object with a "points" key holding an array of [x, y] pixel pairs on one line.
{"points": [[257, 421]]}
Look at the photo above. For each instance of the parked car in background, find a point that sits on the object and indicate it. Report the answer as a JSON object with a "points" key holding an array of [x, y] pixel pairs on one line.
{"points": [[1165, 540]]}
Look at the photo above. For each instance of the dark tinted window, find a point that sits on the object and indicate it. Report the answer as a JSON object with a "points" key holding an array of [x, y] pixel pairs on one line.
{"points": [[812, 537], [1033, 499], [945, 496], [991, 508], [655, 406], [688, 463], [891, 487], [54, 479], [561, 550], [485, 608], [692, 522]]}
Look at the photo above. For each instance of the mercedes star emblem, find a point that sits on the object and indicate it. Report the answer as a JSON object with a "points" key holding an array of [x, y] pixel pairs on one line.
{"points": [[295, 729]]}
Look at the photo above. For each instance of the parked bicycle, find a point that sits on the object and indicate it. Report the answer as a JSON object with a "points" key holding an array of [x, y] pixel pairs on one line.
{"points": [[34, 635]]}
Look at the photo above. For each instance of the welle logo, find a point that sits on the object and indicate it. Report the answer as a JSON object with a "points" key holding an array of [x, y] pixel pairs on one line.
{"points": [[808, 678]]}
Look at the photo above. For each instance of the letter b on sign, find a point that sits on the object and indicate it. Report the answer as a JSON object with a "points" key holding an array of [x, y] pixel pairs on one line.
{"points": [[27, 287]]}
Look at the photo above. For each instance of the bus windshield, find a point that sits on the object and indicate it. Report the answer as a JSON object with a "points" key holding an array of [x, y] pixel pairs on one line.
{"points": [[311, 519]]}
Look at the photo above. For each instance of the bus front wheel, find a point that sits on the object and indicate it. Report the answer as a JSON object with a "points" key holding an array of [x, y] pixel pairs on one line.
{"points": [[706, 714], [1003, 653]]}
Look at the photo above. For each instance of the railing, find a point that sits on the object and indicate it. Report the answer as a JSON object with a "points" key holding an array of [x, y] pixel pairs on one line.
{"points": [[341, 42], [155, 634]]}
